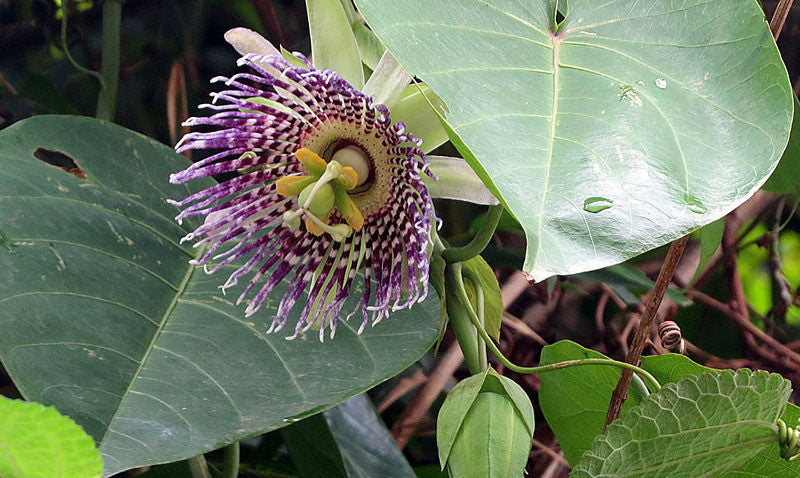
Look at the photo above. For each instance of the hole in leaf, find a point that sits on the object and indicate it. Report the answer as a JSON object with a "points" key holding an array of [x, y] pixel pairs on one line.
{"points": [[61, 161]]}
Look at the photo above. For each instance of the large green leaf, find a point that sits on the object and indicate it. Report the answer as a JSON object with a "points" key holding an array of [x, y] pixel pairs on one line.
{"points": [[700, 426], [669, 368], [631, 125], [103, 317], [575, 400]]}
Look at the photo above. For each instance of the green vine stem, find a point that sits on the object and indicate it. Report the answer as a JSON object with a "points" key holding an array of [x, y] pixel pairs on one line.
{"points": [[231, 469], [478, 243], [479, 298], [459, 318], [650, 379], [72, 60], [198, 467], [112, 18]]}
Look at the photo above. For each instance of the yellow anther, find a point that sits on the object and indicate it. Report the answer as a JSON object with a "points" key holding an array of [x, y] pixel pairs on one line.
{"points": [[292, 185], [313, 228], [310, 160], [355, 218], [349, 177]]}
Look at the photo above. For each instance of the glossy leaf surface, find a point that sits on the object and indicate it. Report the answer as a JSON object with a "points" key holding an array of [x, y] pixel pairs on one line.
{"points": [[104, 318], [623, 128]]}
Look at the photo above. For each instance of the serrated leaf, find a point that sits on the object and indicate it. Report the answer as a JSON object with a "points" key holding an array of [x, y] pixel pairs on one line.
{"points": [[38, 442], [103, 316], [575, 400], [641, 104], [700, 426], [669, 368]]}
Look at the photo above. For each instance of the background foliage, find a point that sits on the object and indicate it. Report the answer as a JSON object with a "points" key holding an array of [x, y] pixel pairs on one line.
{"points": [[169, 51]]}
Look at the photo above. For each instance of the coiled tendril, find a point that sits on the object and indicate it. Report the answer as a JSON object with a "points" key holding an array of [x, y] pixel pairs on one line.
{"points": [[789, 440], [670, 334]]}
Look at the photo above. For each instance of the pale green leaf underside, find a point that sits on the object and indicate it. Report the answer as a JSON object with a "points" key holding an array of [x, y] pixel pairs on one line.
{"points": [[671, 112], [702, 426], [103, 317]]}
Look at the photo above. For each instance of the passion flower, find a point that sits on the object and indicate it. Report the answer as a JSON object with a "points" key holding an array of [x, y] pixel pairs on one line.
{"points": [[324, 185]]}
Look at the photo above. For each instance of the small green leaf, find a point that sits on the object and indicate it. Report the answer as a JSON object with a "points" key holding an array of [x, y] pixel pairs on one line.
{"points": [[700, 426], [786, 177], [629, 283], [671, 368], [575, 400], [313, 449], [333, 45], [710, 238], [37, 441], [492, 300], [367, 447]]}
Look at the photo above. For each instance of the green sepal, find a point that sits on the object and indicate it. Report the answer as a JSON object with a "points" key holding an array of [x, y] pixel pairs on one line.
{"points": [[479, 403], [291, 58], [369, 46], [461, 400], [333, 44]]}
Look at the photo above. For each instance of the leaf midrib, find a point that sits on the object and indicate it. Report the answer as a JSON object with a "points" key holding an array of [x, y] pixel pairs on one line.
{"points": [[181, 289]]}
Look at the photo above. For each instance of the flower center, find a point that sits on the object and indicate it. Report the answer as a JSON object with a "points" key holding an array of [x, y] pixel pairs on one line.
{"points": [[320, 192], [357, 159]]}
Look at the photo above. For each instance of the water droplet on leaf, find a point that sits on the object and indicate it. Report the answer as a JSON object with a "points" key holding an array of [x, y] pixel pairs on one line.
{"points": [[661, 83], [596, 204]]}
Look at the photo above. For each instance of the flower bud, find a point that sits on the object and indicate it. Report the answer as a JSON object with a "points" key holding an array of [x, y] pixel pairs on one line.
{"points": [[484, 428]]}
